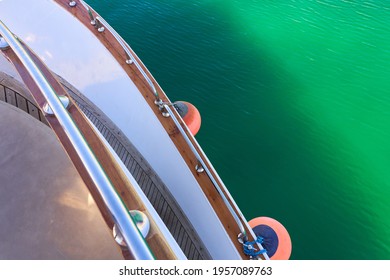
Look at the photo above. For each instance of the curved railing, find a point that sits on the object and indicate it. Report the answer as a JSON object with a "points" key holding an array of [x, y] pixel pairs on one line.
{"points": [[130, 57], [119, 212], [167, 111], [214, 180]]}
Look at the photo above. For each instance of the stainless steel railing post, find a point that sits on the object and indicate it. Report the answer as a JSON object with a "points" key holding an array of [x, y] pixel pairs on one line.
{"points": [[211, 177], [120, 214]]}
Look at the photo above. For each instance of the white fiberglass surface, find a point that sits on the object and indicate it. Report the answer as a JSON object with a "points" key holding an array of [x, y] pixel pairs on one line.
{"points": [[6, 67], [73, 52], [151, 211]]}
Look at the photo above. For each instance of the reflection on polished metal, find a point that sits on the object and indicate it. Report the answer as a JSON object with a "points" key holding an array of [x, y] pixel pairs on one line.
{"points": [[3, 44], [120, 215], [91, 17], [217, 186], [129, 55], [46, 210], [199, 168], [64, 100], [72, 3], [160, 105], [142, 222], [99, 25], [118, 236], [203, 165]]}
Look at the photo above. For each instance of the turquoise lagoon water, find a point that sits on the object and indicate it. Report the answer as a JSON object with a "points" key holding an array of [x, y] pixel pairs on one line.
{"points": [[294, 97]]}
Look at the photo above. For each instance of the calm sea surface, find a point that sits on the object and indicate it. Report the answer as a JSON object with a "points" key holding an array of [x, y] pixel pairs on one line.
{"points": [[295, 104]]}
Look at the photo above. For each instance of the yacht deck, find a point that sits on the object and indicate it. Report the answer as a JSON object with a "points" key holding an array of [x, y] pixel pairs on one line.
{"points": [[14, 93]]}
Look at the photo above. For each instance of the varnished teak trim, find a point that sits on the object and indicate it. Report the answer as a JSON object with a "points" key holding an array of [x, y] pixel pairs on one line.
{"points": [[157, 243], [109, 41]]}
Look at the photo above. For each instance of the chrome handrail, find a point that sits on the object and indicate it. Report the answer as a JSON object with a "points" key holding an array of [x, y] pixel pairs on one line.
{"points": [[217, 186], [130, 57], [120, 214], [88, 8], [164, 105], [203, 164]]}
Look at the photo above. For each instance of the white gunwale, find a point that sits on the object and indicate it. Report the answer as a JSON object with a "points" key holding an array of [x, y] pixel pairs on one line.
{"points": [[178, 152]]}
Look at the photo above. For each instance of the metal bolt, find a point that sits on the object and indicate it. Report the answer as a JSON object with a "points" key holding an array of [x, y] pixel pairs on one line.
{"points": [[3, 44], [160, 105], [199, 168], [118, 236], [72, 3], [64, 100], [142, 222], [165, 114], [158, 102]]}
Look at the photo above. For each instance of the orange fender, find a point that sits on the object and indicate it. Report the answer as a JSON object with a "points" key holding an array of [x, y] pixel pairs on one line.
{"points": [[276, 241], [190, 115]]}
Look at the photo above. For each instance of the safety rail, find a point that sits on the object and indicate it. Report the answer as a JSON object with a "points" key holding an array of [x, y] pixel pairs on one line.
{"points": [[214, 181], [130, 57], [164, 107], [119, 212]]}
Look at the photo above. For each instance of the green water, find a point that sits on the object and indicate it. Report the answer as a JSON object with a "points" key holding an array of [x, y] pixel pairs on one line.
{"points": [[294, 97]]}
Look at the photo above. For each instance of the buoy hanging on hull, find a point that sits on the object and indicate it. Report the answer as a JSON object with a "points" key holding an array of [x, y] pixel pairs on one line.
{"points": [[276, 239], [190, 115]]}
